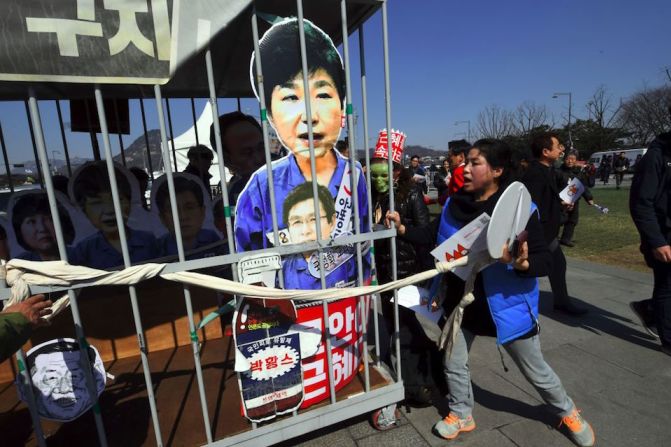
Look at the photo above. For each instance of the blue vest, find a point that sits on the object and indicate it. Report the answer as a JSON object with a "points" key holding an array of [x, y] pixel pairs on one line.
{"points": [[512, 300]]}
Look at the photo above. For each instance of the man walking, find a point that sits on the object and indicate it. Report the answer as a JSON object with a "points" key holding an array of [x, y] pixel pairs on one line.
{"points": [[650, 207], [543, 183], [567, 172], [418, 174], [621, 164]]}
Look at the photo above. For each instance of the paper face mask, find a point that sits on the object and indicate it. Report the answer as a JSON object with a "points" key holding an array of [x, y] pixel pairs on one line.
{"points": [[59, 384], [285, 95]]}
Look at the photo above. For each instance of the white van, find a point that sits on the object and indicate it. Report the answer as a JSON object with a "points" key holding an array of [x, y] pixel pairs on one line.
{"points": [[633, 155]]}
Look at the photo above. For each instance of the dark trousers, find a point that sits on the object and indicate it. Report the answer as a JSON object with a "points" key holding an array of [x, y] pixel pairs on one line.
{"points": [[570, 224], [619, 176], [661, 300], [557, 275]]}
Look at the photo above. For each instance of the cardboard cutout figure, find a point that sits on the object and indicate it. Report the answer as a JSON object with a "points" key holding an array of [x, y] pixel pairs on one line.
{"points": [[268, 355], [90, 190], [285, 100], [199, 237], [59, 383], [33, 225]]}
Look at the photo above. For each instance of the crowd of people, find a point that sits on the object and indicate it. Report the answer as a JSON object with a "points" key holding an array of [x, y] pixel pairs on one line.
{"points": [[469, 183]]}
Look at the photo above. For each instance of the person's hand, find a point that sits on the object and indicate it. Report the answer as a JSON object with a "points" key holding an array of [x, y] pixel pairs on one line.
{"points": [[663, 253], [590, 202], [395, 219], [567, 205], [521, 262], [33, 308]]}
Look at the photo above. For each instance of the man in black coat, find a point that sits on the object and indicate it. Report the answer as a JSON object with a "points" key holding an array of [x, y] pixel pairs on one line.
{"points": [[543, 183], [650, 207], [567, 172]]}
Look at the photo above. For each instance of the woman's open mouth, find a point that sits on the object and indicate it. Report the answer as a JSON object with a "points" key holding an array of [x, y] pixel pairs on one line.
{"points": [[316, 137]]}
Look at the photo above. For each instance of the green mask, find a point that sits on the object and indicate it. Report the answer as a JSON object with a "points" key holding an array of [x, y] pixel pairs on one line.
{"points": [[379, 177]]}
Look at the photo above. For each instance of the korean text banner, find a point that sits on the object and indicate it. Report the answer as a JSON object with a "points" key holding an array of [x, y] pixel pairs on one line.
{"points": [[106, 41]]}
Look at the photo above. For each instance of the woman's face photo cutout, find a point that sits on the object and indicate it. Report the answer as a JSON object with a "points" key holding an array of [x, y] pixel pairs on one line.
{"points": [[285, 95], [32, 225], [90, 191]]}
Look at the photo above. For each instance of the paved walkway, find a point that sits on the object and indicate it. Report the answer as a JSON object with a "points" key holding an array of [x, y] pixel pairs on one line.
{"points": [[609, 365]]}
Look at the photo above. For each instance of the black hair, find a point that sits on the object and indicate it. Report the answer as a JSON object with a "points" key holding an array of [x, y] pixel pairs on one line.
{"points": [[63, 345], [342, 145], [542, 141], [218, 208], [140, 174], [225, 122], [198, 151], [281, 57], [459, 146], [93, 180], [303, 192], [413, 157], [60, 183], [498, 155], [182, 185], [29, 205]]}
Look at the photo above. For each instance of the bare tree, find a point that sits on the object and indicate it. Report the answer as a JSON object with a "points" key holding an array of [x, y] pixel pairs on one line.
{"points": [[529, 116], [495, 122], [599, 106], [646, 114]]}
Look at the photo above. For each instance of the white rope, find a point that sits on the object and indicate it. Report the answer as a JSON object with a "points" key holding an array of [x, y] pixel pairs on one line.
{"points": [[453, 323], [21, 274]]}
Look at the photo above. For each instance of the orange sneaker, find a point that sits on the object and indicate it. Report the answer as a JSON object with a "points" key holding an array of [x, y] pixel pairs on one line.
{"points": [[452, 425], [578, 429]]}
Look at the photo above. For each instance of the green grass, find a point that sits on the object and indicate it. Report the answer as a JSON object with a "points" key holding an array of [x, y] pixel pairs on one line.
{"points": [[607, 238], [604, 238]]}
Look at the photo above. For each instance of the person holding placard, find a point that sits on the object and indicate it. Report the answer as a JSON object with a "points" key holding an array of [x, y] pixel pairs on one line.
{"points": [[567, 172], [505, 297]]}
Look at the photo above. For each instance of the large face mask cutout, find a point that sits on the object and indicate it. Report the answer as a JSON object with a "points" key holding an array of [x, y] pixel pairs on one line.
{"points": [[59, 383], [379, 176], [285, 95]]}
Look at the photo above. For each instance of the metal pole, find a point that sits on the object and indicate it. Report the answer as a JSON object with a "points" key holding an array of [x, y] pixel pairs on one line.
{"points": [[239, 105], [172, 135], [193, 115], [362, 64], [6, 159], [180, 253], [220, 157], [139, 331], [354, 188], [387, 96], [85, 361], [266, 138], [32, 138], [121, 150], [65, 141], [313, 172], [570, 103], [146, 139]]}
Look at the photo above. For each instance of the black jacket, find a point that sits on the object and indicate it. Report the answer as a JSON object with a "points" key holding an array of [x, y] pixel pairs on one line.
{"points": [[409, 257], [649, 198], [566, 174], [543, 185]]}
